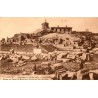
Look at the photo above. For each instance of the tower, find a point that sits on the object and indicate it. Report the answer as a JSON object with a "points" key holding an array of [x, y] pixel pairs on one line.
{"points": [[45, 25]]}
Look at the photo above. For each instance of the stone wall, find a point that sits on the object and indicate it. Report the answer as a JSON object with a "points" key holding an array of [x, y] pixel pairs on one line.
{"points": [[17, 48]]}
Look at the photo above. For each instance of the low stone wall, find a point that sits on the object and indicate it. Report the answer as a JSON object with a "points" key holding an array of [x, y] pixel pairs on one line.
{"points": [[17, 48]]}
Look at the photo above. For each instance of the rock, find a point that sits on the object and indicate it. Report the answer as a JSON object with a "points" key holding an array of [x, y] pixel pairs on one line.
{"points": [[25, 57], [21, 63], [33, 58]]}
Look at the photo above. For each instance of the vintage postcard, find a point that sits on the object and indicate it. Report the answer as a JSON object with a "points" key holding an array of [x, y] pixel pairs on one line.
{"points": [[49, 48]]}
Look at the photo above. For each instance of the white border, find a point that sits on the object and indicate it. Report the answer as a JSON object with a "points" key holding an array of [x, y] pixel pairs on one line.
{"points": [[48, 8]]}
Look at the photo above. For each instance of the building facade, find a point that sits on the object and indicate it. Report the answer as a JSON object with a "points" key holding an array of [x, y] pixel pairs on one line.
{"points": [[59, 29]]}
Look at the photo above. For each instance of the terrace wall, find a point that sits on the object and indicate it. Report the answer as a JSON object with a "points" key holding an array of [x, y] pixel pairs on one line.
{"points": [[17, 48]]}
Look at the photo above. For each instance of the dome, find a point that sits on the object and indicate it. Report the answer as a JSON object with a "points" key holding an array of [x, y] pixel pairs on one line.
{"points": [[45, 25], [45, 22]]}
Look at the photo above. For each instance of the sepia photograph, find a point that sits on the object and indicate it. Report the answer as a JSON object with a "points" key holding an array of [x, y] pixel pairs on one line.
{"points": [[48, 48]]}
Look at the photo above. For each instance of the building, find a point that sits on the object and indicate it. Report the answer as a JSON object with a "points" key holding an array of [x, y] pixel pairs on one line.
{"points": [[59, 29], [45, 25]]}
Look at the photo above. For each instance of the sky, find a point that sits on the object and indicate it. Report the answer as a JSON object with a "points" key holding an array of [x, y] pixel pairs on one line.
{"points": [[12, 25]]}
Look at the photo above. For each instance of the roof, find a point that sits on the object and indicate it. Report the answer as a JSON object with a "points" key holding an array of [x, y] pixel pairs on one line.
{"points": [[45, 23]]}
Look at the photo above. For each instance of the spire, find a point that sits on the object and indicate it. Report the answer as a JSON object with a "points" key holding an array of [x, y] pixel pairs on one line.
{"points": [[45, 20]]}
